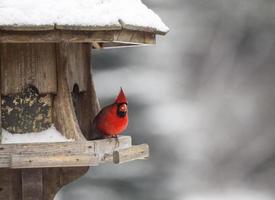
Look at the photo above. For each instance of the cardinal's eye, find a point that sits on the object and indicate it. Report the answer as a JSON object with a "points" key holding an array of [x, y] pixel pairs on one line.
{"points": [[123, 108]]}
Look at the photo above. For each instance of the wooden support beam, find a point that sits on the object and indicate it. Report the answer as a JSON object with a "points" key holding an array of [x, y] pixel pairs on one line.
{"points": [[54, 36], [85, 102], [77, 65], [0, 95], [131, 153], [123, 37], [65, 118], [96, 45], [32, 184], [120, 26]]}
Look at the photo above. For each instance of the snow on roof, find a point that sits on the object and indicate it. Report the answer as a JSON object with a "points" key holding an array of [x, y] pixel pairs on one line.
{"points": [[94, 13], [49, 135]]}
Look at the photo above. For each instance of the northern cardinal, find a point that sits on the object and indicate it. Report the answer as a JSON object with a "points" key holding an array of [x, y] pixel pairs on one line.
{"points": [[112, 120]]}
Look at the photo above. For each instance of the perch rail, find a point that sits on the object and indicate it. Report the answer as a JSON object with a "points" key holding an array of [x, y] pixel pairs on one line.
{"points": [[71, 154]]}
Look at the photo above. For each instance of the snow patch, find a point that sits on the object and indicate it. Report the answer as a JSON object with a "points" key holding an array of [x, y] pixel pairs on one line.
{"points": [[79, 12], [49, 135]]}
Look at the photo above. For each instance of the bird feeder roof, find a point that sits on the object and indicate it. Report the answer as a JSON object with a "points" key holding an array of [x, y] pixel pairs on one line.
{"points": [[79, 15]]}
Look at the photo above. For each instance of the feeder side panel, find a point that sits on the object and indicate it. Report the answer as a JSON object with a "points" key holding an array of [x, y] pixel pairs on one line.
{"points": [[28, 64]]}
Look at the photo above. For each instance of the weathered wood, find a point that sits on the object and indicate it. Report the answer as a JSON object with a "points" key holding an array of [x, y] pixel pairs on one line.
{"points": [[32, 184], [113, 45], [106, 38], [0, 94], [44, 161], [53, 178], [95, 146], [11, 154], [122, 25], [55, 36], [64, 115], [96, 45], [77, 65], [86, 103], [73, 69], [28, 64], [88, 28], [5, 186], [134, 37], [128, 38], [131, 153], [27, 28], [10, 184], [51, 182]]}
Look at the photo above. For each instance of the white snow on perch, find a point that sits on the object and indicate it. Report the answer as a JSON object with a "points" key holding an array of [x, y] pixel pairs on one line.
{"points": [[94, 13], [49, 135]]}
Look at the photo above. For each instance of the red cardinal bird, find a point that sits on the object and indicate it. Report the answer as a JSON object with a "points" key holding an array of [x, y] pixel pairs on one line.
{"points": [[112, 120]]}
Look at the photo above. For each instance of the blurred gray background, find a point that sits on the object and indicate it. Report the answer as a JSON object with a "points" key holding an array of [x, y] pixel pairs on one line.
{"points": [[203, 98]]}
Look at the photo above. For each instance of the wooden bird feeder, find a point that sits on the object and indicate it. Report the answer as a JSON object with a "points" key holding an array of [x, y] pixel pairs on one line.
{"points": [[46, 80]]}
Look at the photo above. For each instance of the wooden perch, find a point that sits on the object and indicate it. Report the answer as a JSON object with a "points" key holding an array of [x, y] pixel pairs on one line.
{"points": [[82, 153], [131, 153], [71, 154], [59, 160]]}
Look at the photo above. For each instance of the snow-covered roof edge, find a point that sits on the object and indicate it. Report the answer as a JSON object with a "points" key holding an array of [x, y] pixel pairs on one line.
{"points": [[79, 15]]}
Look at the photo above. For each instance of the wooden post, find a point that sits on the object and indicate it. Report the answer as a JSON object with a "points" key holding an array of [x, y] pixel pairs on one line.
{"points": [[32, 184], [0, 95]]}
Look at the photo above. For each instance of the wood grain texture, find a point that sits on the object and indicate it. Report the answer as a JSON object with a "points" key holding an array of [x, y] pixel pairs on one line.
{"points": [[5, 184], [132, 153], [26, 27], [55, 36], [10, 184], [44, 161], [52, 178], [134, 37], [74, 117], [52, 154], [77, 65], [85, 103], [32, 184], [43, 164], [0, 94], [51, 182], [97, 146], [64, 114], [104, 38], [122, 25], [88, 28], [28, 64]]}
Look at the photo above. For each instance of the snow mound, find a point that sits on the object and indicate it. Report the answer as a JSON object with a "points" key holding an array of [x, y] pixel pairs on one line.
{"points": [[49, 135], [79, 12]]}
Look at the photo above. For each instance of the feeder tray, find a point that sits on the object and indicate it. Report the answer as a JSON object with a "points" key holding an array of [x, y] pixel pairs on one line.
{"points": [[46, 78]]}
